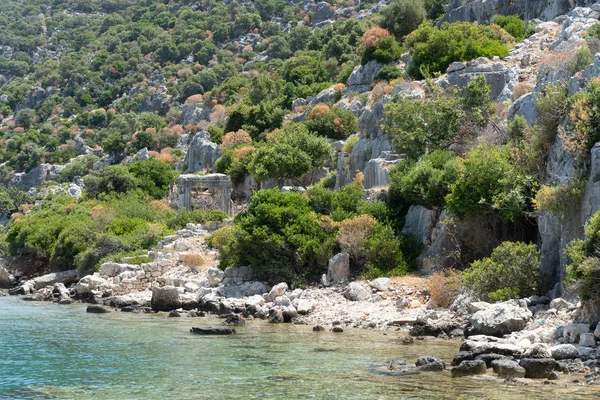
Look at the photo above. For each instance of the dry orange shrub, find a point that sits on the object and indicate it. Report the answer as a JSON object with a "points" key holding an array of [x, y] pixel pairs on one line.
{"points": [[235, 139], [444, 287], [319, 111], [371, 38], [354, 233], [521, 89], [193, 261], [243, 152]]}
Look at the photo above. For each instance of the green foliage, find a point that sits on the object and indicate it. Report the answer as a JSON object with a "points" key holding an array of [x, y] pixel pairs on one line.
{"points": [[11, 198], [583, 58], [80, 166], [385, 51], [280, 237], [512, 271], [106, 180], [516, 128], [153, 176], [384, 256], [489, 185], [402, 17], [427, 181], [511, 24], [434, 49], [584, 267], [424, 125], [333, 123], [388, 73], [290, 153]]}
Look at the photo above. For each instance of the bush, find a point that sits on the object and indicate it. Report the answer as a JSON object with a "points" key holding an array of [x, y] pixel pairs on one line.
{"points": [[80, 166], [427, 181], [511, 24], [516, 128], [489, 185], [584, 256], [193, 261], [377, 44], [384, 256], [512, 271], [433, 49], [332, 123], [444, 287], [584, 122], [388, 73], [352, 237], [402, 17]]}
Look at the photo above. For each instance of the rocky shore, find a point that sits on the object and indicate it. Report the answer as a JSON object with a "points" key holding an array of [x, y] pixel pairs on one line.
{"points": [[537, 337]]}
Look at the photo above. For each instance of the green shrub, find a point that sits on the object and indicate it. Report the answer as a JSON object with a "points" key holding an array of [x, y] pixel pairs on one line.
{"points": [[489, 185], [512, 271], [433, 50], [402, 17], [511, 24], [427, 181], [331, 122], [583, 58], [81, 166], [388, 73], [153, 176], [584, 256], [384, 255], [386, 50], [516, 129]]}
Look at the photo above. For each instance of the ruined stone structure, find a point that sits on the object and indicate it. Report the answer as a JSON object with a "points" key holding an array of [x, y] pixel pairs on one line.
{"points": [[205, 191]]}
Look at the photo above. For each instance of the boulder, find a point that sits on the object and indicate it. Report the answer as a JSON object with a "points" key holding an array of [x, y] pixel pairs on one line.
{"points": [[597, 331], [489, 358], [112, 269], [356, 292], [66, 277], [318, 328], [202, 153], [276, 316], [363, 76], [419, 222], [500, 319], [430, 363], [537, 350], [165, 298], [215, 276], [560, 304], [538, 368], [276, 291], [238, 275], [90, 282], [5, 279], [65, 301], [234, 320], [462, 356], [572, 333], [338, 268], [213, 331], [587, 340], [381, 284], [469, 367], [255, 300], [95, 309], [508, 368], [304, 306], [242, 290], [436, 323], [564, 352]]}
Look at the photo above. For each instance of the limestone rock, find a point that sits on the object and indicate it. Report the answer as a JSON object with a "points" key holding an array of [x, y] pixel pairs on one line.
{"points": [[304, 306], [560, 304], [587, 340], [469, 367], [66, 277], [90, 282], [508, 368], [537, 350], [5, 279], [215, 276], [363, 76], [95, 309], [430, 363], [202, 153], [339, 268], [564, 352], [112, 269], [165, 298], [500, 319], [537, 368], [242, 290], [572, 333], [276, 291], [597, 331], [381, 284], [356, 292], [419, 222]]}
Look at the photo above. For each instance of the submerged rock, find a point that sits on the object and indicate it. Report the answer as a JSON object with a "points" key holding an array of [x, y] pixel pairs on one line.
{"points": [[430, 363], [469, 367], [213, 331], [538, 367], [97, 309], [508, 368]]}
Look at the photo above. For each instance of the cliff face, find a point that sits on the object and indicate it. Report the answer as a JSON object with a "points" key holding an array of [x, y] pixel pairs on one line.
{"points": [[485, 10]]}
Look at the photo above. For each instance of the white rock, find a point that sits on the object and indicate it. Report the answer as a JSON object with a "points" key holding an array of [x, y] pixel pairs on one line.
{"points": [[381, 284], [356, 292], [597, 332], [305, 306], [572, 333], [560, 304], [295, 294], [339, 268], [91, 282], [282, 301], [276, 291], [215, 276], [256, 300], [191, 287], [587, 340]]}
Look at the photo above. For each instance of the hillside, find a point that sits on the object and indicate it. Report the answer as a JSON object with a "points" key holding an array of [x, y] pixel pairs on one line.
{"points": [[411, 135]]}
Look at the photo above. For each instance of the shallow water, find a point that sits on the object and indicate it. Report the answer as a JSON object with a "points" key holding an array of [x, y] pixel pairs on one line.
{"points": [[61, 352]]}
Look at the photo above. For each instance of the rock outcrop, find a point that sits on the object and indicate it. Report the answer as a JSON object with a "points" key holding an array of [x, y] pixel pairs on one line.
{"points": [[202, 153]]}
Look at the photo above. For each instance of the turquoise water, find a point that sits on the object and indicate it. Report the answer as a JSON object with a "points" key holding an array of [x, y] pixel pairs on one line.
{"points": [[61, 352]]}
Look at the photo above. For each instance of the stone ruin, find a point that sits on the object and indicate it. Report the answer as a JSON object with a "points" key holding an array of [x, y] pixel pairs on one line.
{"points": [[205, 192]]}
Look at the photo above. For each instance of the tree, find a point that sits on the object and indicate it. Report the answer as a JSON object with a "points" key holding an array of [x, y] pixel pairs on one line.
{"points": [[25, 117], [153, 176], [290, 153], [402, 17]]}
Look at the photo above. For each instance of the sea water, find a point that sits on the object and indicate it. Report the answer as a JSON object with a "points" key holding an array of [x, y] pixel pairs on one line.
{"points": [[49, 351]]}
